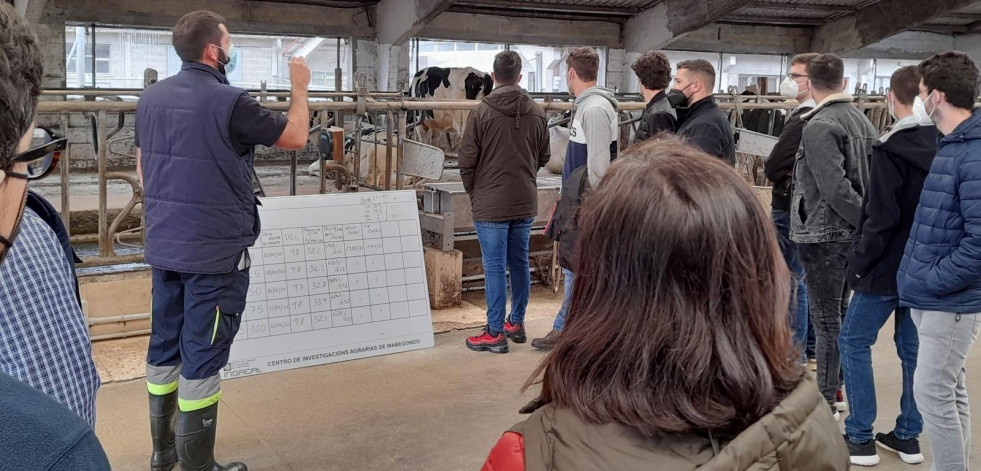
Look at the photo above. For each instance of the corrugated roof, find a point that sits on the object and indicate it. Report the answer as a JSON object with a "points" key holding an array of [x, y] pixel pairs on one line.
{"points": [[593, 3]]}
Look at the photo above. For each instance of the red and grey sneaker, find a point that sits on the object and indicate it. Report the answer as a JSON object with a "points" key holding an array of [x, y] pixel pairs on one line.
{"points": [[485, 343], [840, 403], [515, 332]]}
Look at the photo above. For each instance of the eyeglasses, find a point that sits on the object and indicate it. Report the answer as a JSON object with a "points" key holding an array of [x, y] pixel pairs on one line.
{"points": [[42, 158]]}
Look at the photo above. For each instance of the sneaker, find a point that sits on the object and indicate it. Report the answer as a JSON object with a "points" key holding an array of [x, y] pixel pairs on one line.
{"points": [[548, 341], [840, 403], [485, 343], [812, 363], [908, 450], [862, 454], [515, 332]]}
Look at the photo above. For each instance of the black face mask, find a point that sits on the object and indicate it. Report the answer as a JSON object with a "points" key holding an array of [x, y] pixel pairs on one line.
{"points": [[222, 60], [677, 98]]}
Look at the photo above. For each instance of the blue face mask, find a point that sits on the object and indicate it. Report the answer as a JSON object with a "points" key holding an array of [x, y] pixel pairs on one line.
{"points": [[227, 64]]}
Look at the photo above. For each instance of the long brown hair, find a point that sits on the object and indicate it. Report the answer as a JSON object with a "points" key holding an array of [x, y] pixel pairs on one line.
{"points": [[678, 322]]}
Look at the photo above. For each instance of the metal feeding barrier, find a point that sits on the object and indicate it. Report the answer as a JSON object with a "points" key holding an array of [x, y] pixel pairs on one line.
{"points": [[389, 115]]}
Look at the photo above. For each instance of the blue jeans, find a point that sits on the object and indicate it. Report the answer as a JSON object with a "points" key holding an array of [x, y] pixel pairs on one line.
{"points": [[799, 320], [566, 300], [505, 244], [867, 313]]}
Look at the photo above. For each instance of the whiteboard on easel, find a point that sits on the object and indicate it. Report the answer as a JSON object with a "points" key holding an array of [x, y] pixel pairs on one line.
{"points": [[334, 277]]}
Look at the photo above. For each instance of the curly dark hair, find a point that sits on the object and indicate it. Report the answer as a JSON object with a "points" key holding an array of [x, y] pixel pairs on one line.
{"points": [[653, 69], [953, 73], [21, 70]]}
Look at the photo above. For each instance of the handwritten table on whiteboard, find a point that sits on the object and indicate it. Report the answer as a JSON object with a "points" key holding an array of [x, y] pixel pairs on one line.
{"points": [[334, 277]]}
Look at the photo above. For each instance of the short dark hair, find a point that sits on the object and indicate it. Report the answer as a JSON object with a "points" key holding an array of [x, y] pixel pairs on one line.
{"points": [[804, 58], [827, 72], [507, 67], [702, 68], [905, 84], [653, 69], [21, 70], [194, 31], [953, 73], [680, 327], [585, 61]]}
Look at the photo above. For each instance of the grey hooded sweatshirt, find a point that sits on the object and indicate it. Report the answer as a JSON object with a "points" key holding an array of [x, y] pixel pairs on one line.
{"points": [[594, 134]]}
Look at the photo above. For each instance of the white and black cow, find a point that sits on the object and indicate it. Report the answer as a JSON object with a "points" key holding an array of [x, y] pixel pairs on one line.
{"points": [[454, 83]]}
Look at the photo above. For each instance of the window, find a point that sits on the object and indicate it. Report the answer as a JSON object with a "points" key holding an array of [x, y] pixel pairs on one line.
{"points": [[432, 53], [544, 67], [102, 59], [319, 78], [859, 73], [123, 54]]}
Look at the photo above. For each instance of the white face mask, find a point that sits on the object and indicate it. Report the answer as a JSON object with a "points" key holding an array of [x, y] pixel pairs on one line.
{"points": [[919, 111], [930, 113], [790, 88], [891, 105]]}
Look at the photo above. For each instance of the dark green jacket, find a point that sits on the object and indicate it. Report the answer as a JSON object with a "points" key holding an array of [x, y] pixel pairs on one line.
{"points": [[800, 434]]}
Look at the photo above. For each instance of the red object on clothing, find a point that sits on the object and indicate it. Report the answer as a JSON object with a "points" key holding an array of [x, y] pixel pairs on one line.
{"points": [[507, 455]]}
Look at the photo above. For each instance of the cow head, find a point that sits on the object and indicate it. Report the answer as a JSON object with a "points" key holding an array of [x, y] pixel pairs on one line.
{"points": [[478, 85]]}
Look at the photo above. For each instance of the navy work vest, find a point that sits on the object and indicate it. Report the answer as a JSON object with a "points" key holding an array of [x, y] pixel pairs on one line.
{"points": [[198, 197]]}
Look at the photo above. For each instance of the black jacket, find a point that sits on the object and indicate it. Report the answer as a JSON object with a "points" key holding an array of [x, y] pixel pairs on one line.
{"points": [[505, 143], [658, 117], [704, 125], [563, 226], [779, 166], [900, 164]]}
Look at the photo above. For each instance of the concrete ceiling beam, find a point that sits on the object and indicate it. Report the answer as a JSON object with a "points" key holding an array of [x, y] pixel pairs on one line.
{"points": [[669, 20], [805, 6], [879, 21], [256, 17], [522, 30], [397, 21]]}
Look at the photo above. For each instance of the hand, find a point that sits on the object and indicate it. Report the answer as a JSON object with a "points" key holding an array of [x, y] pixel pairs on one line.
{"points": [[299, 73]]}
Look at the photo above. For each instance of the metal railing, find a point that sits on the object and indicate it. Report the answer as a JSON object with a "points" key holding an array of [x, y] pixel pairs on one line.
{"points": [[391, 109]]}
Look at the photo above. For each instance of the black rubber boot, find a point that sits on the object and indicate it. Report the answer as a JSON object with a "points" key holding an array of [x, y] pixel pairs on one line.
{"points": [[196, 441], [163, 419]]}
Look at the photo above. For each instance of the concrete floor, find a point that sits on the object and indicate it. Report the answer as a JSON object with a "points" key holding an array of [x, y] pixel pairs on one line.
{"points": [[436, 409]]}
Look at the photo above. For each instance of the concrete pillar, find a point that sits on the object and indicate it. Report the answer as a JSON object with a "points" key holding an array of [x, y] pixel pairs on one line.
{"points": [[444, 277], [51, 33], [366, 60], [616, 68], [392, 67]]}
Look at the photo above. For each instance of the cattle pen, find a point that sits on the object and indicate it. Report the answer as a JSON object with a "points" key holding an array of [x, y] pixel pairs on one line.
{"points": [[115, 238]]}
